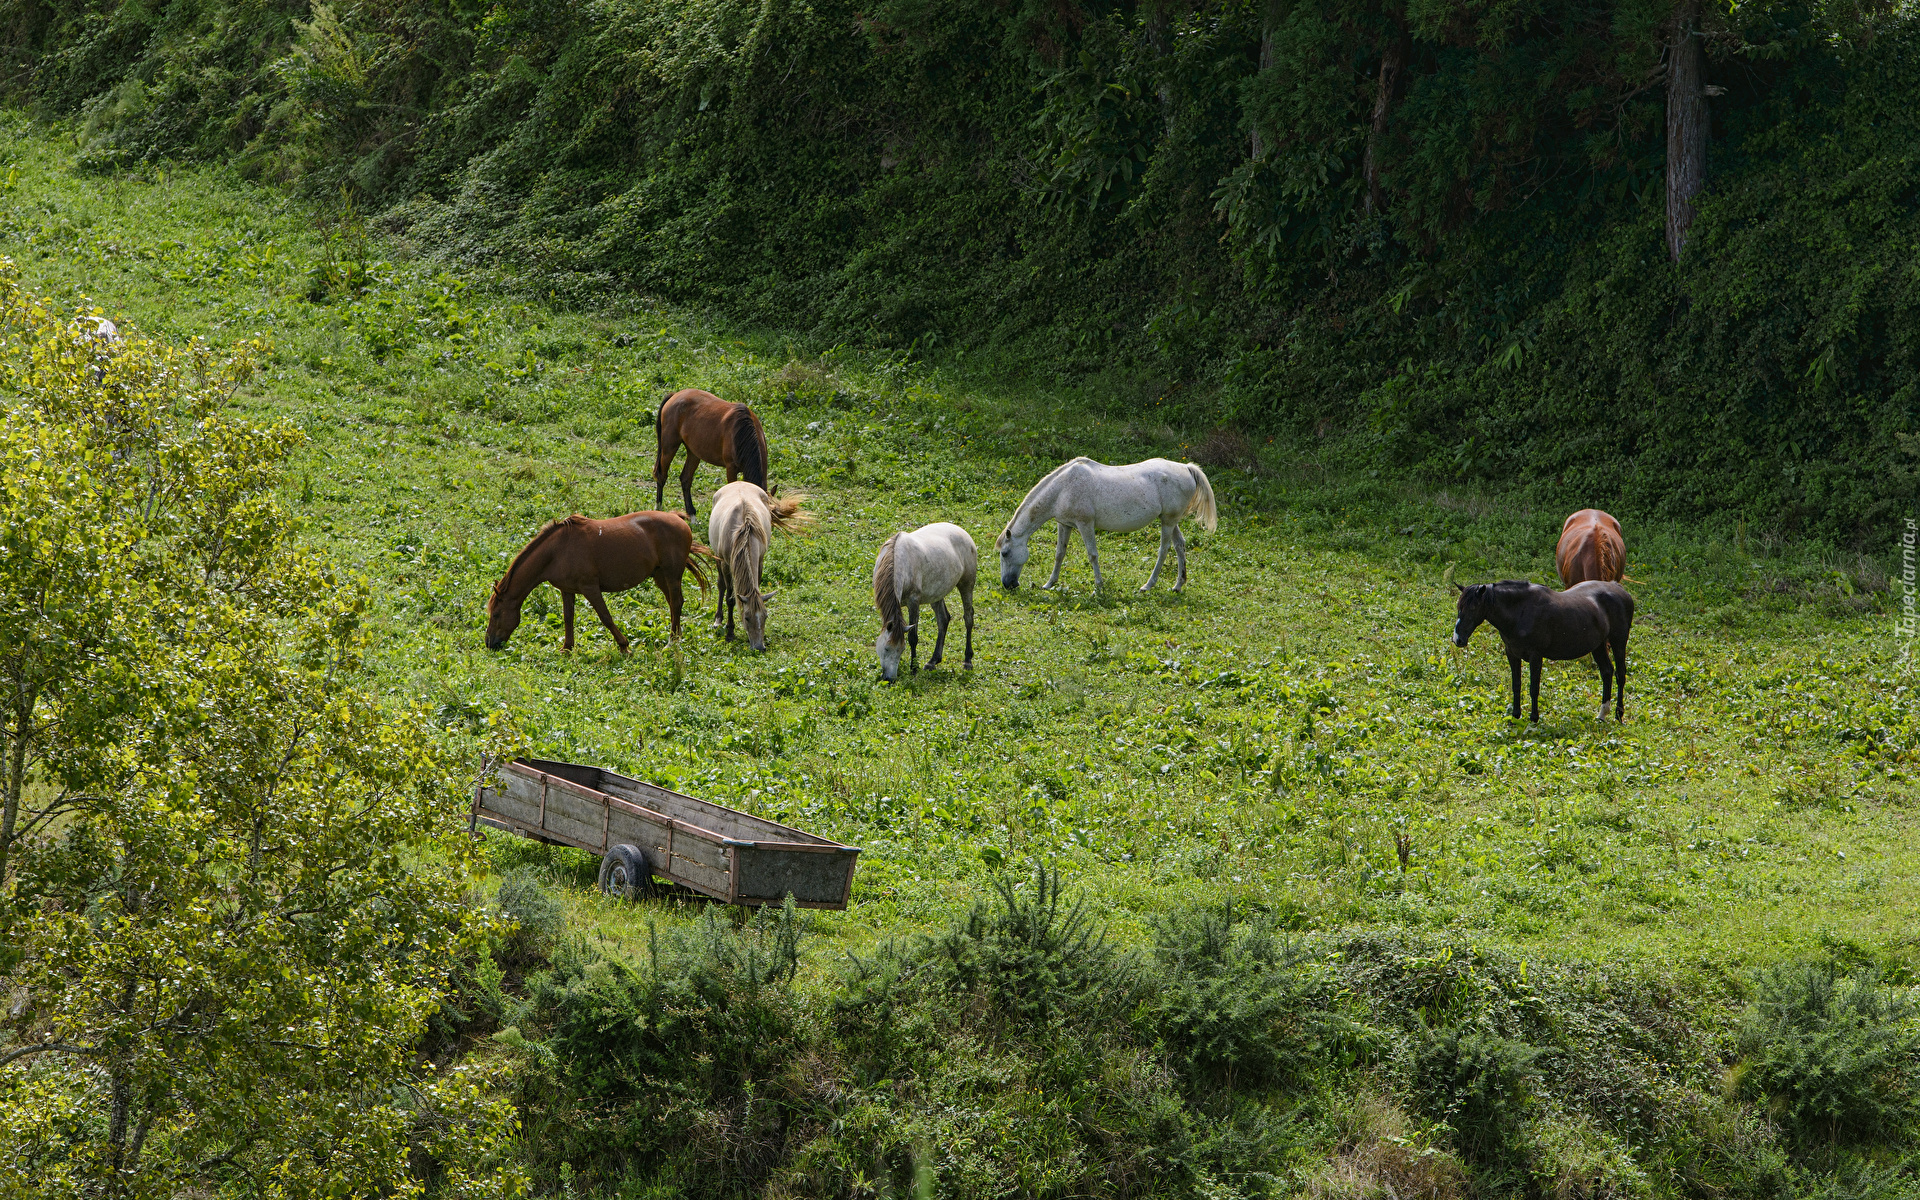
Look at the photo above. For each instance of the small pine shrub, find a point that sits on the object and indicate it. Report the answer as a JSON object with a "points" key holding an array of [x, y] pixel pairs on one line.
{"points": [[1232, 1005], [1033, 958], [1480, 1083], [537, 915], [1832, 1056]]}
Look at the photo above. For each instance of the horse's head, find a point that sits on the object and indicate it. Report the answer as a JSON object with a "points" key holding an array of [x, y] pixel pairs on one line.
{"points": [[1013, 556], [1469, 610], [890, 645], [502, 618], [753, 615]]}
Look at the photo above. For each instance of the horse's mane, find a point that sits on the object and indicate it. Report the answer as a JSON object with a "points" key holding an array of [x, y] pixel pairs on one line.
{"points": [[886, 596], [749, 446], [746, 580], [1044, 480], [546, 531]]}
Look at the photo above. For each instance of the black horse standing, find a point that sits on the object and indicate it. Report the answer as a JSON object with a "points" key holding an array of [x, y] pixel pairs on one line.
{"points": [[1538, 623]]}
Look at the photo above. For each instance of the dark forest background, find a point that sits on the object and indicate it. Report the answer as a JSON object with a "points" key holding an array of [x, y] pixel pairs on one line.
{"points": [[1428, 239]]}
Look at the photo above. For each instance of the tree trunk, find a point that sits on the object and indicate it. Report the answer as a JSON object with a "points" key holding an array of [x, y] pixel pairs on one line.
{"points": [[16, 775], [1266, 61], [1392, 63], [1160, 39], [1686, 125]]}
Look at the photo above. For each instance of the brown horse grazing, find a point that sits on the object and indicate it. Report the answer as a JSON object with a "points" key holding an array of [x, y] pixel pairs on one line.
{"points": [[713, 430], [578, 554], [1539, 623], [1590, 548]]}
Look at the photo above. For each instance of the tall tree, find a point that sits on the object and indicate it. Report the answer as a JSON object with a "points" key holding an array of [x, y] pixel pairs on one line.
{"points": [[1687, 124], [227, 911]]}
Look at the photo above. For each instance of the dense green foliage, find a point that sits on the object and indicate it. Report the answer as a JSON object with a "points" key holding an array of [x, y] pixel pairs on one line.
{"points": [[1459, 275], [1013, 1053], [218, 945]]}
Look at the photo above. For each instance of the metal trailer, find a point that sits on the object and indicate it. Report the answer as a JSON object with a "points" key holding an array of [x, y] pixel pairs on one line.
{"points": [[641, 830]]}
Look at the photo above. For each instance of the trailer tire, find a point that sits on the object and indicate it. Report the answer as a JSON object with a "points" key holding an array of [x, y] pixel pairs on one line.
{"points": [[624, 874]]}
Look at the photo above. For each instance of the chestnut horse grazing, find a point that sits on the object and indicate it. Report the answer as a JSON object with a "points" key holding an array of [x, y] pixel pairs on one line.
{"points": [[713, 430], [1590, 548], [579, 555]]}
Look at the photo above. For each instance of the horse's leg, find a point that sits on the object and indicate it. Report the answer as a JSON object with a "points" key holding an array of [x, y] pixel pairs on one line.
{"points": [[606, 618], [1059, 553], [913, 637], [942, 616], [1606, 677], [720, 599], [1155, 577], [1620, 680], [1180, 548], [1093, 555], [1533, 685], [566, 610], [670, 588], [686, 480], [966, 604], [1513, 661]]}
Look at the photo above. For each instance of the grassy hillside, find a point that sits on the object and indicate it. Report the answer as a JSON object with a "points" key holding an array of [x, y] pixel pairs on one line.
{"points": [[1291, 734]]}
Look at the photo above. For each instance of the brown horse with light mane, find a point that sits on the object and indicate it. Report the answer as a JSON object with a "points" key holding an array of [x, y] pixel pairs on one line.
{"points": [[580, 555], [1590, 548], [713, 430]]}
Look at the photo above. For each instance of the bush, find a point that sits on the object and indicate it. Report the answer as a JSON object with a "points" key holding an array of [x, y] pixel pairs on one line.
{"points": [[1480, 1083], [1832, 1056], [537, 915], [1235, 1005]]}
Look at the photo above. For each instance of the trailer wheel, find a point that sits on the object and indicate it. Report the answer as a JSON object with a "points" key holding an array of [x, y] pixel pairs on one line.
{"points": [[623, 873]]}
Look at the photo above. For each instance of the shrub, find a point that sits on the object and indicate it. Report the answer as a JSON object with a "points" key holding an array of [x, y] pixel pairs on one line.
{"points": [[1031, 958], [537, 915], [1234, 1004], [1480, 1083], [1832, 1056]]}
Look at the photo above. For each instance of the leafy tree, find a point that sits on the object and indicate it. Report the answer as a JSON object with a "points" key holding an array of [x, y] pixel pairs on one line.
{"points": [[228, 908]]}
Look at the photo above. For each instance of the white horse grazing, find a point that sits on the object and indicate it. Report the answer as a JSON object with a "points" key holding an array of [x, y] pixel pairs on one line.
{"points": [[919, 568], [1093, 497], [739, 528]]}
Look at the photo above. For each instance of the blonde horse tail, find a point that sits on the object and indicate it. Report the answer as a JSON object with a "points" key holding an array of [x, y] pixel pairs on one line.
{"points": [[694, 556], [1202, 502], [787, 514]]}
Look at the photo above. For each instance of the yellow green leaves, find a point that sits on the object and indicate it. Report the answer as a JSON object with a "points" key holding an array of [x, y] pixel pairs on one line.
{"points": [[227, 905]]}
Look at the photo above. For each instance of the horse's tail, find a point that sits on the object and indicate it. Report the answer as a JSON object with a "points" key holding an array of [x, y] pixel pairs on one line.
{"points": [[694, 556], [886, 594], [787, 514], [1202, 501], [669, 444], [749, 446], [1603, 556]]}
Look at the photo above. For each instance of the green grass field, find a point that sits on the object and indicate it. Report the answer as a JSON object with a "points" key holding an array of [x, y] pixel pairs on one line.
{"points": [[1293, 730]]}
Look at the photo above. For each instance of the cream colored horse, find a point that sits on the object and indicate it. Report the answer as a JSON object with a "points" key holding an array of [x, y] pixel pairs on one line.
{"points": [[1093, 497], [740, 528]]}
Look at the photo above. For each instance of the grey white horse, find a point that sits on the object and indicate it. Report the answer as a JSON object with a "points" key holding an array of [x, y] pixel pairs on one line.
{"points": [[921, 568], [1095, 498]]}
